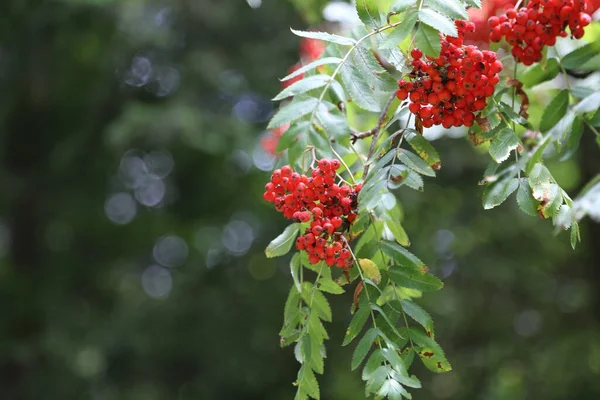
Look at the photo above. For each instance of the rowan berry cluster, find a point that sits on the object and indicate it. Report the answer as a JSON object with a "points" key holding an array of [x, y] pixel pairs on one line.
{"points": [[330, 208], [448, 90], [538, 24]]}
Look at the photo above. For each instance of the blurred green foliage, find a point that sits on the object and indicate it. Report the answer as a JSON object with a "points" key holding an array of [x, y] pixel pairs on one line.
{"points": [[90, 88]]}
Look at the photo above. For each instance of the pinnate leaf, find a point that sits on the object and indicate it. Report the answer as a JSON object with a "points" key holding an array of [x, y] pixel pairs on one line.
{"points": [[555, 110], [370, 270], [505, 141], [540, 73], [402, 256], [303, 86], [525, 198], [400, 32], [577, 58], [428, 41], [293, 111], [363, 347], [326, 37], [496, 193], [402, 5], [357, 323], [314, 64], [424, 149], [438, 22], [414, 162], [419, 280], [329, 286], [417, 313], [283, 243], [368, 12], [358, 88], [451, 8]]}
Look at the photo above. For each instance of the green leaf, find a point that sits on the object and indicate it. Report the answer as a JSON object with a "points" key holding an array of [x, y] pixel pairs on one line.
{"points": [[292, 112], [329, 286], [511, 115], [438, 22], [308, 382], [414, 162], [358, 88], [537, 154], [302, 86], [373, 363], [335, 125], [402, 256], [320, 142], [294, 269], [377, 379], [315, 359], [402, 175], [428, 41], [363, 347], [368, 13], [371, 190], [314, 64], [574, 138], [391, 318], [377, 77], [555, 110], [575, 234], [283, 243], [539, 175], [327, 37], [400, 372], [316, 330], [357, 323], [392, 389], [287, 139], [417, 313], [430, 352], [321, 305], [562, 129], [424, 149], [501, 146], [398, 231], [525, 198], [291, 305], [402, 5], [540, 73], [451, 8], [496, 193], [577, 58], [400, 32], [395, 57], [474, 3], [392, 356], [594, 120], [409, 278]]}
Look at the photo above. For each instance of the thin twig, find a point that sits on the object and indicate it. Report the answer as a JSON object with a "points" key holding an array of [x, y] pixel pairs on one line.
{"points": [[376, 131]]}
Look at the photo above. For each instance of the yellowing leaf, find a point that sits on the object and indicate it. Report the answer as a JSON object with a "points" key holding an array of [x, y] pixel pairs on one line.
{"points": [[370, 270]]}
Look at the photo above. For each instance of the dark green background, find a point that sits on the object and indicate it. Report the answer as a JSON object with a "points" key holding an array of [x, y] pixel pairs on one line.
{"points": [[519, 315]]}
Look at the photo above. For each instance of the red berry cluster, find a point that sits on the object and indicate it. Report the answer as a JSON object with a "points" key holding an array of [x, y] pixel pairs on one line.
{"points": [[538, 24], [331, 207], [448, 90]]}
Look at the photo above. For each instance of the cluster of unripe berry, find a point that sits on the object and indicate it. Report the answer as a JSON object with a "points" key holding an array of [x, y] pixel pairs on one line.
{"points": [[448, 90], [538, 24], [330, 208]]}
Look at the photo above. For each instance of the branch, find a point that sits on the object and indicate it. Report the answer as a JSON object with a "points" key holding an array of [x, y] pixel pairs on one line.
{"points": [[375, 132]]}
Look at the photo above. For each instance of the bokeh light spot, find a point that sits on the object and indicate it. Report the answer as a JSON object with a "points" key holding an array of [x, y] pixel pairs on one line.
{"points": [[170, 251], [120, 208], [157, 282]]}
